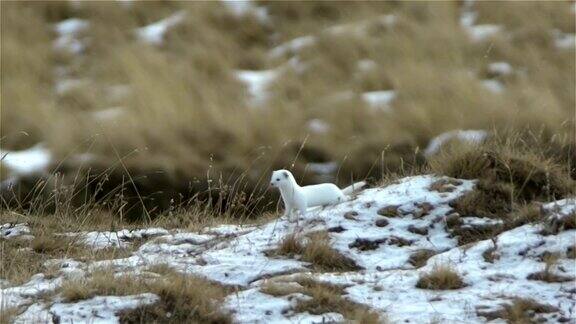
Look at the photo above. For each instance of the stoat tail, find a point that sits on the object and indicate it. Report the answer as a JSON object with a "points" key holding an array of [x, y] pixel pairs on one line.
{"points": [[353, 188]]}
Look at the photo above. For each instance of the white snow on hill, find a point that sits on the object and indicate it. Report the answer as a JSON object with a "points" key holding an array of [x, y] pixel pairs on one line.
{"points": [[379, 230]]}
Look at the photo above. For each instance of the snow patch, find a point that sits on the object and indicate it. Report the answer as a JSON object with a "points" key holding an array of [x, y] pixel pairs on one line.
{"points": [[318, 126], [68, 31], [379, 99], [500, 68], [469, 136], [100, 309], [257, 83], [493, 86], [154, 33]]}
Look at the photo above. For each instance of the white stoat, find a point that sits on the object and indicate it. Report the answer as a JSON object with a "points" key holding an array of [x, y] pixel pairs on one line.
{"points": [[301, 198]]}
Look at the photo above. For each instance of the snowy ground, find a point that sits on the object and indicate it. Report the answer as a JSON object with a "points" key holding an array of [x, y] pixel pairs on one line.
{"points": [[379, 230]]}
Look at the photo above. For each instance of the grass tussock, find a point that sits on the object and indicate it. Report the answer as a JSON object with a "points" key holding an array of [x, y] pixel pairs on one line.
{"points": [[315, 249], [520, 311], [548, 275], [325, 298], [441, 277], [520, 173], [182, 299], [513, 179], [102, 282]]}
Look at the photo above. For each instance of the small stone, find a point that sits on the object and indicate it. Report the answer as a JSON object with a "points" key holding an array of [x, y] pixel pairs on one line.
{"points": [[418, 230], [382, 222], [336, 229], [453, 220], [351, 215], [390, 211]]}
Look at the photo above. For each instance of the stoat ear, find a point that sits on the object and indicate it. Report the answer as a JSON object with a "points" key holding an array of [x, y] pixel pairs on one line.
{"points": [[285, 174]]}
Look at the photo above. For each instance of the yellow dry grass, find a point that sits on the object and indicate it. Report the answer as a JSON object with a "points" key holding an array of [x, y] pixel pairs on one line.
{"points": [[185, 122]]}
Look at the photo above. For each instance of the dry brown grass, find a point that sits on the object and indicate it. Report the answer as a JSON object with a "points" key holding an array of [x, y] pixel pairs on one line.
{"points": [[18, 264], [186, 120], [548, 275], [182, 299], [325, 298], [328, 298], [102, 282], [526, 171], [316, 249], [441, 277], [290, 246], [520, 311], [513, 179], [7, 314]]}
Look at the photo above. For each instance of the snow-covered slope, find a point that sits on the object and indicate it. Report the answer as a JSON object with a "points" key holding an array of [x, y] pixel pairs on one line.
{"points": [[379, 230]]}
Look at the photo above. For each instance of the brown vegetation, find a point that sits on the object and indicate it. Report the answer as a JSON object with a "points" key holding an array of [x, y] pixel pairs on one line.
{"points": [[186, 121], [316, 249], [325, 298], [441, 277]]}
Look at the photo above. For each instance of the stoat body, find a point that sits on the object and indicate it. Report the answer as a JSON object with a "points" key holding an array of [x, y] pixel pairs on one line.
{"points": [[297, 198]]}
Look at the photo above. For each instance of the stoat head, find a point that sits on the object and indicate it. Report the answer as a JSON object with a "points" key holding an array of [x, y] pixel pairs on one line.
{"points": [[281, 179]]}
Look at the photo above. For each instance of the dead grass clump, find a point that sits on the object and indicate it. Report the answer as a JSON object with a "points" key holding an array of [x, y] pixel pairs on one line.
{"points": [[523, 173], [548, 276], [183, 299], [558, 223], [101, 282], [323, 257], [162, 269], [488, 199], [291, 246], [491, 254], [7, 314], [520, 311], [441, 277], [420, 257], [327, 298], [18, 263], [315, 249], [526, 214], [53, 244]]}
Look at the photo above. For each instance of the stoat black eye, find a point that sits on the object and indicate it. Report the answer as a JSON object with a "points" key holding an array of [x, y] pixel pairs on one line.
{"points": [[277, 179]]}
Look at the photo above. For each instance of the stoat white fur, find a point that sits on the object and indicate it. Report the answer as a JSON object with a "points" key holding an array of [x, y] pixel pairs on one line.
{"points": [[297, 198]]}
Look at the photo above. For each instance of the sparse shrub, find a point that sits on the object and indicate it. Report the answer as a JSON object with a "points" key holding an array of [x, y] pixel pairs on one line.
{"points": [[183, 299], [328, 298], [547, 275], [102, 282], [441, 277], [290, 245], [505, 170], [316, 249], [323, 257], [50, 243], [520, 311]]}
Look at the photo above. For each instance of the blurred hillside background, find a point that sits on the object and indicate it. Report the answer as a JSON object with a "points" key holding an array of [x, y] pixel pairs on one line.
{"points": [[158, 102]]}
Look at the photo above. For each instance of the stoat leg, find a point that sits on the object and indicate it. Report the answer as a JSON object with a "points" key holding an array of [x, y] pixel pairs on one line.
{"points": [[288, 211]]}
